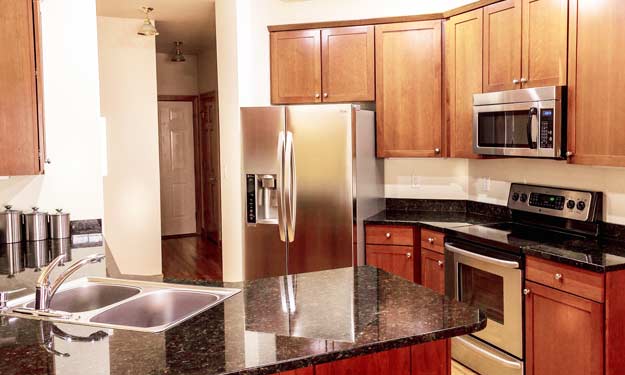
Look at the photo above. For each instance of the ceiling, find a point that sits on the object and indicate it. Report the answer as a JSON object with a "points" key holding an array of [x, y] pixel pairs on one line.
{"points": [[190, 21]]}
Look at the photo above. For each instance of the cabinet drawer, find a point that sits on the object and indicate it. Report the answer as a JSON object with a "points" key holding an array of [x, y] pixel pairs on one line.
{"points": [[389, 235], [432, 240], [569, 279]]}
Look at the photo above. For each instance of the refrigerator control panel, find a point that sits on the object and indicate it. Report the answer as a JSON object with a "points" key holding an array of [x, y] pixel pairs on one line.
{"points": [[251, 199]]}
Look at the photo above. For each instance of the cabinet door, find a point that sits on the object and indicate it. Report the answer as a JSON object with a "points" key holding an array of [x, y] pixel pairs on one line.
{"points": [[397, 260], [408, 89], [299, 371], [433, 270], [21, 120], [563, 333], [502, 46], [463, 57], [595, 88], [296, 67], [544, 42], [348, 58]]}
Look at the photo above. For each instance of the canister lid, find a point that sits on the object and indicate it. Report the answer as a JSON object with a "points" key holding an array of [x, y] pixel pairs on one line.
{"points": [[8, 211], [59, 212], [36, 212]]}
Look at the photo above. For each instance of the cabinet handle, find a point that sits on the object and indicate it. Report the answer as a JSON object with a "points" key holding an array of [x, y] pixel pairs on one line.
{"points": [[526, 291], [431, 240], [408, 255], [317, 96], [388, 235], [523, 80], [570, 153], [325, 94], [558, 276], [437, 150], [515, 81], [440, 263]]}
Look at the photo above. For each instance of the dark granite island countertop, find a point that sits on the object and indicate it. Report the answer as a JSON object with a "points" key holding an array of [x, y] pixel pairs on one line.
{"points": [[274, 324]]}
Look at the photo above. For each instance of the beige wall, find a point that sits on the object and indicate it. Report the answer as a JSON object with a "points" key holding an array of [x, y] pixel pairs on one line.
{"points": [[132, 218], [177, 78], [207, 71], [72, 108]]}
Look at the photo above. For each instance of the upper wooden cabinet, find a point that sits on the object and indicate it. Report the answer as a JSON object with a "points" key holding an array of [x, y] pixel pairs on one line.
{"points": [[296, 67], [525, 44], [347, 64], [596, 82], [463, 58], [21, 106], [329, 65], [408, 89]]}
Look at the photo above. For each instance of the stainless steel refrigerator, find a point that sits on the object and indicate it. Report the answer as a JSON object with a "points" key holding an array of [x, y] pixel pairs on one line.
{"points": [[310, 177]]}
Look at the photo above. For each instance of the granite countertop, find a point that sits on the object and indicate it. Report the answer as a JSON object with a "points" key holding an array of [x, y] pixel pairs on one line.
{"points": [[436, 220], [274, 324], [603, 255]]}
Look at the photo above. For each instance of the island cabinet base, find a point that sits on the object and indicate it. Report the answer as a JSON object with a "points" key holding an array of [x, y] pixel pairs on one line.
{"points": [[432, 358]]}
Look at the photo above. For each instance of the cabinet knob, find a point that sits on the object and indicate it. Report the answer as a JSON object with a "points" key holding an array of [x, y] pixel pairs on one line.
{"points": [[408, 255], [437, 150], [325, 94], [526, 291], [430, 240], [515, 81], [317, 96], [388, 235], [523, 80], [570, 153], [440, 263], [558, 276]]}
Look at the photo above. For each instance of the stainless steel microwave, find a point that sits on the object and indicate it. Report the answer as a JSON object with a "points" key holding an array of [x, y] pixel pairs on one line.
{"points": [[526, 122]]}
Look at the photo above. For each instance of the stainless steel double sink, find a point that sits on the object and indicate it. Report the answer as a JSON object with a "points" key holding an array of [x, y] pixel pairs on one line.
{"points": [[123, 304]]}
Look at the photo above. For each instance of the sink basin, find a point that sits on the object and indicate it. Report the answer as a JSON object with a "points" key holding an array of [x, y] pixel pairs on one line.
{"points": [[157, 309], [90, 297], [122, 304]]}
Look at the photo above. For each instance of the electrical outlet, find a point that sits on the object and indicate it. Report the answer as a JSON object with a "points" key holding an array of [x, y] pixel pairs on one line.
{"points": [[416, 182]]}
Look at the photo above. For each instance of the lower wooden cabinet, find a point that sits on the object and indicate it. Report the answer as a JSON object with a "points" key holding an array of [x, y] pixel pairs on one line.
{"points": [[563, 333], [299, 371], [398, 260], [433, 270]]}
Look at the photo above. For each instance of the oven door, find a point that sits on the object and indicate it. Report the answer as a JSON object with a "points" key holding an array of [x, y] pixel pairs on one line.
{"points": [[494, 285], [517, 129]]}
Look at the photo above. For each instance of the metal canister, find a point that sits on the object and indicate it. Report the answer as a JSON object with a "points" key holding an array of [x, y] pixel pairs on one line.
{"points": [[36, 225], [59, 224], [10, 225]]}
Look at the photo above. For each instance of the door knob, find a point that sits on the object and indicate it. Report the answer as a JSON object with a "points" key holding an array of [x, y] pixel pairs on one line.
{"points": [[440, 263], [388, 235], [526, 291]]}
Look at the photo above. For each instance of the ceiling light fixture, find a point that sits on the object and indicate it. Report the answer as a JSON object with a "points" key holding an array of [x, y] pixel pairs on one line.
{"points": [[178, 57], [147, 29]]}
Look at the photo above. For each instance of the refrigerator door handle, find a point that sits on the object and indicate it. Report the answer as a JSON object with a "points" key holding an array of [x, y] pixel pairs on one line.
{"points": [[280, 185], [290, 187]]}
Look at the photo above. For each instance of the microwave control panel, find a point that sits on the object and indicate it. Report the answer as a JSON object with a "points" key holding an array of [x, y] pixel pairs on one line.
{"points": [[546, 128]]}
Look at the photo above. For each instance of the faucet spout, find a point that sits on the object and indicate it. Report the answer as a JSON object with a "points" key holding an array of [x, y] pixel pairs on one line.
{"points": [[45, 290]]}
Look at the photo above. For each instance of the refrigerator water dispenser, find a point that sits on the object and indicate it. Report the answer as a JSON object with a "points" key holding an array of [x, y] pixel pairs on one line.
{"points": [[262, 199]]}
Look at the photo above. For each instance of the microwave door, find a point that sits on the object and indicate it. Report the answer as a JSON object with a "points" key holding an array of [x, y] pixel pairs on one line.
{"points": [[509, 129]]}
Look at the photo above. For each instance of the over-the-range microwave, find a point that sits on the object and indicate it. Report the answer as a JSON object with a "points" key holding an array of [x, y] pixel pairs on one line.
{"points": [[525, 122]]}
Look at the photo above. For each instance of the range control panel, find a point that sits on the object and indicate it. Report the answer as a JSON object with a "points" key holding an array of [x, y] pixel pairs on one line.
{"points": [[559, 202]]}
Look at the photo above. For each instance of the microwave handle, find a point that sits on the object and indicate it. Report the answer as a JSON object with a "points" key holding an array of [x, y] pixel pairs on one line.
{"points": [[532, 112]]}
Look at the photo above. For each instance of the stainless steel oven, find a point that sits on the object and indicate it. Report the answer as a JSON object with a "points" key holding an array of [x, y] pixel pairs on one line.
{"points": [[491, 280], [525, 122]]}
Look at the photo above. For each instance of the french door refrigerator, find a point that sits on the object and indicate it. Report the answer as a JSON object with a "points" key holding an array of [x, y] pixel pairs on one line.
{"points": [[310, 177]]}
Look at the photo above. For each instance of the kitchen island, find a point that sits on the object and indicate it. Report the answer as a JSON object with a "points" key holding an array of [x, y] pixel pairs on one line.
{"points": [[360, 318]]}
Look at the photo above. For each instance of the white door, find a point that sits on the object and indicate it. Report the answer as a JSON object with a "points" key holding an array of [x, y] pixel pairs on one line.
{"points": [[177, 166]]}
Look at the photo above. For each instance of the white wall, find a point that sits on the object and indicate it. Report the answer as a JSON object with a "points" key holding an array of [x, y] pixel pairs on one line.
{"points": [[72, 107], [207, 70], [177, 78], [132, 225], [244, 79]]}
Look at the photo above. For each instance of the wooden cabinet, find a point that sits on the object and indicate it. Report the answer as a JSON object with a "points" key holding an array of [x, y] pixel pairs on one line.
{"points": [[463, 58], [329, 65], [398, 260], [391, 248], [347, 65], [408, 89], [563, 333], [299, 371], [21, 106], [433, 270], [595, 88], [502, 46], [296, 67], [525, 44]]}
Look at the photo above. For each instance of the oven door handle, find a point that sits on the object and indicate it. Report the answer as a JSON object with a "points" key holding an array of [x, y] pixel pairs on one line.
{"points": [[488, 354], [480, 257]]}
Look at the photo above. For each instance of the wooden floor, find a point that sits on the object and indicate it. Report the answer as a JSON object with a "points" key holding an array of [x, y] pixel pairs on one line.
{"points": [[458, 369], [191, 258]]}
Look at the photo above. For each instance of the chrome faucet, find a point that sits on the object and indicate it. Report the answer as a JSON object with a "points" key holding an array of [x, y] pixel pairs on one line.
{"points": [[44, 290]]}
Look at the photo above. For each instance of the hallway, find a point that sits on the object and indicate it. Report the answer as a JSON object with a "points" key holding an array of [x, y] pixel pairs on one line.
{"points": [[191, 258]]}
